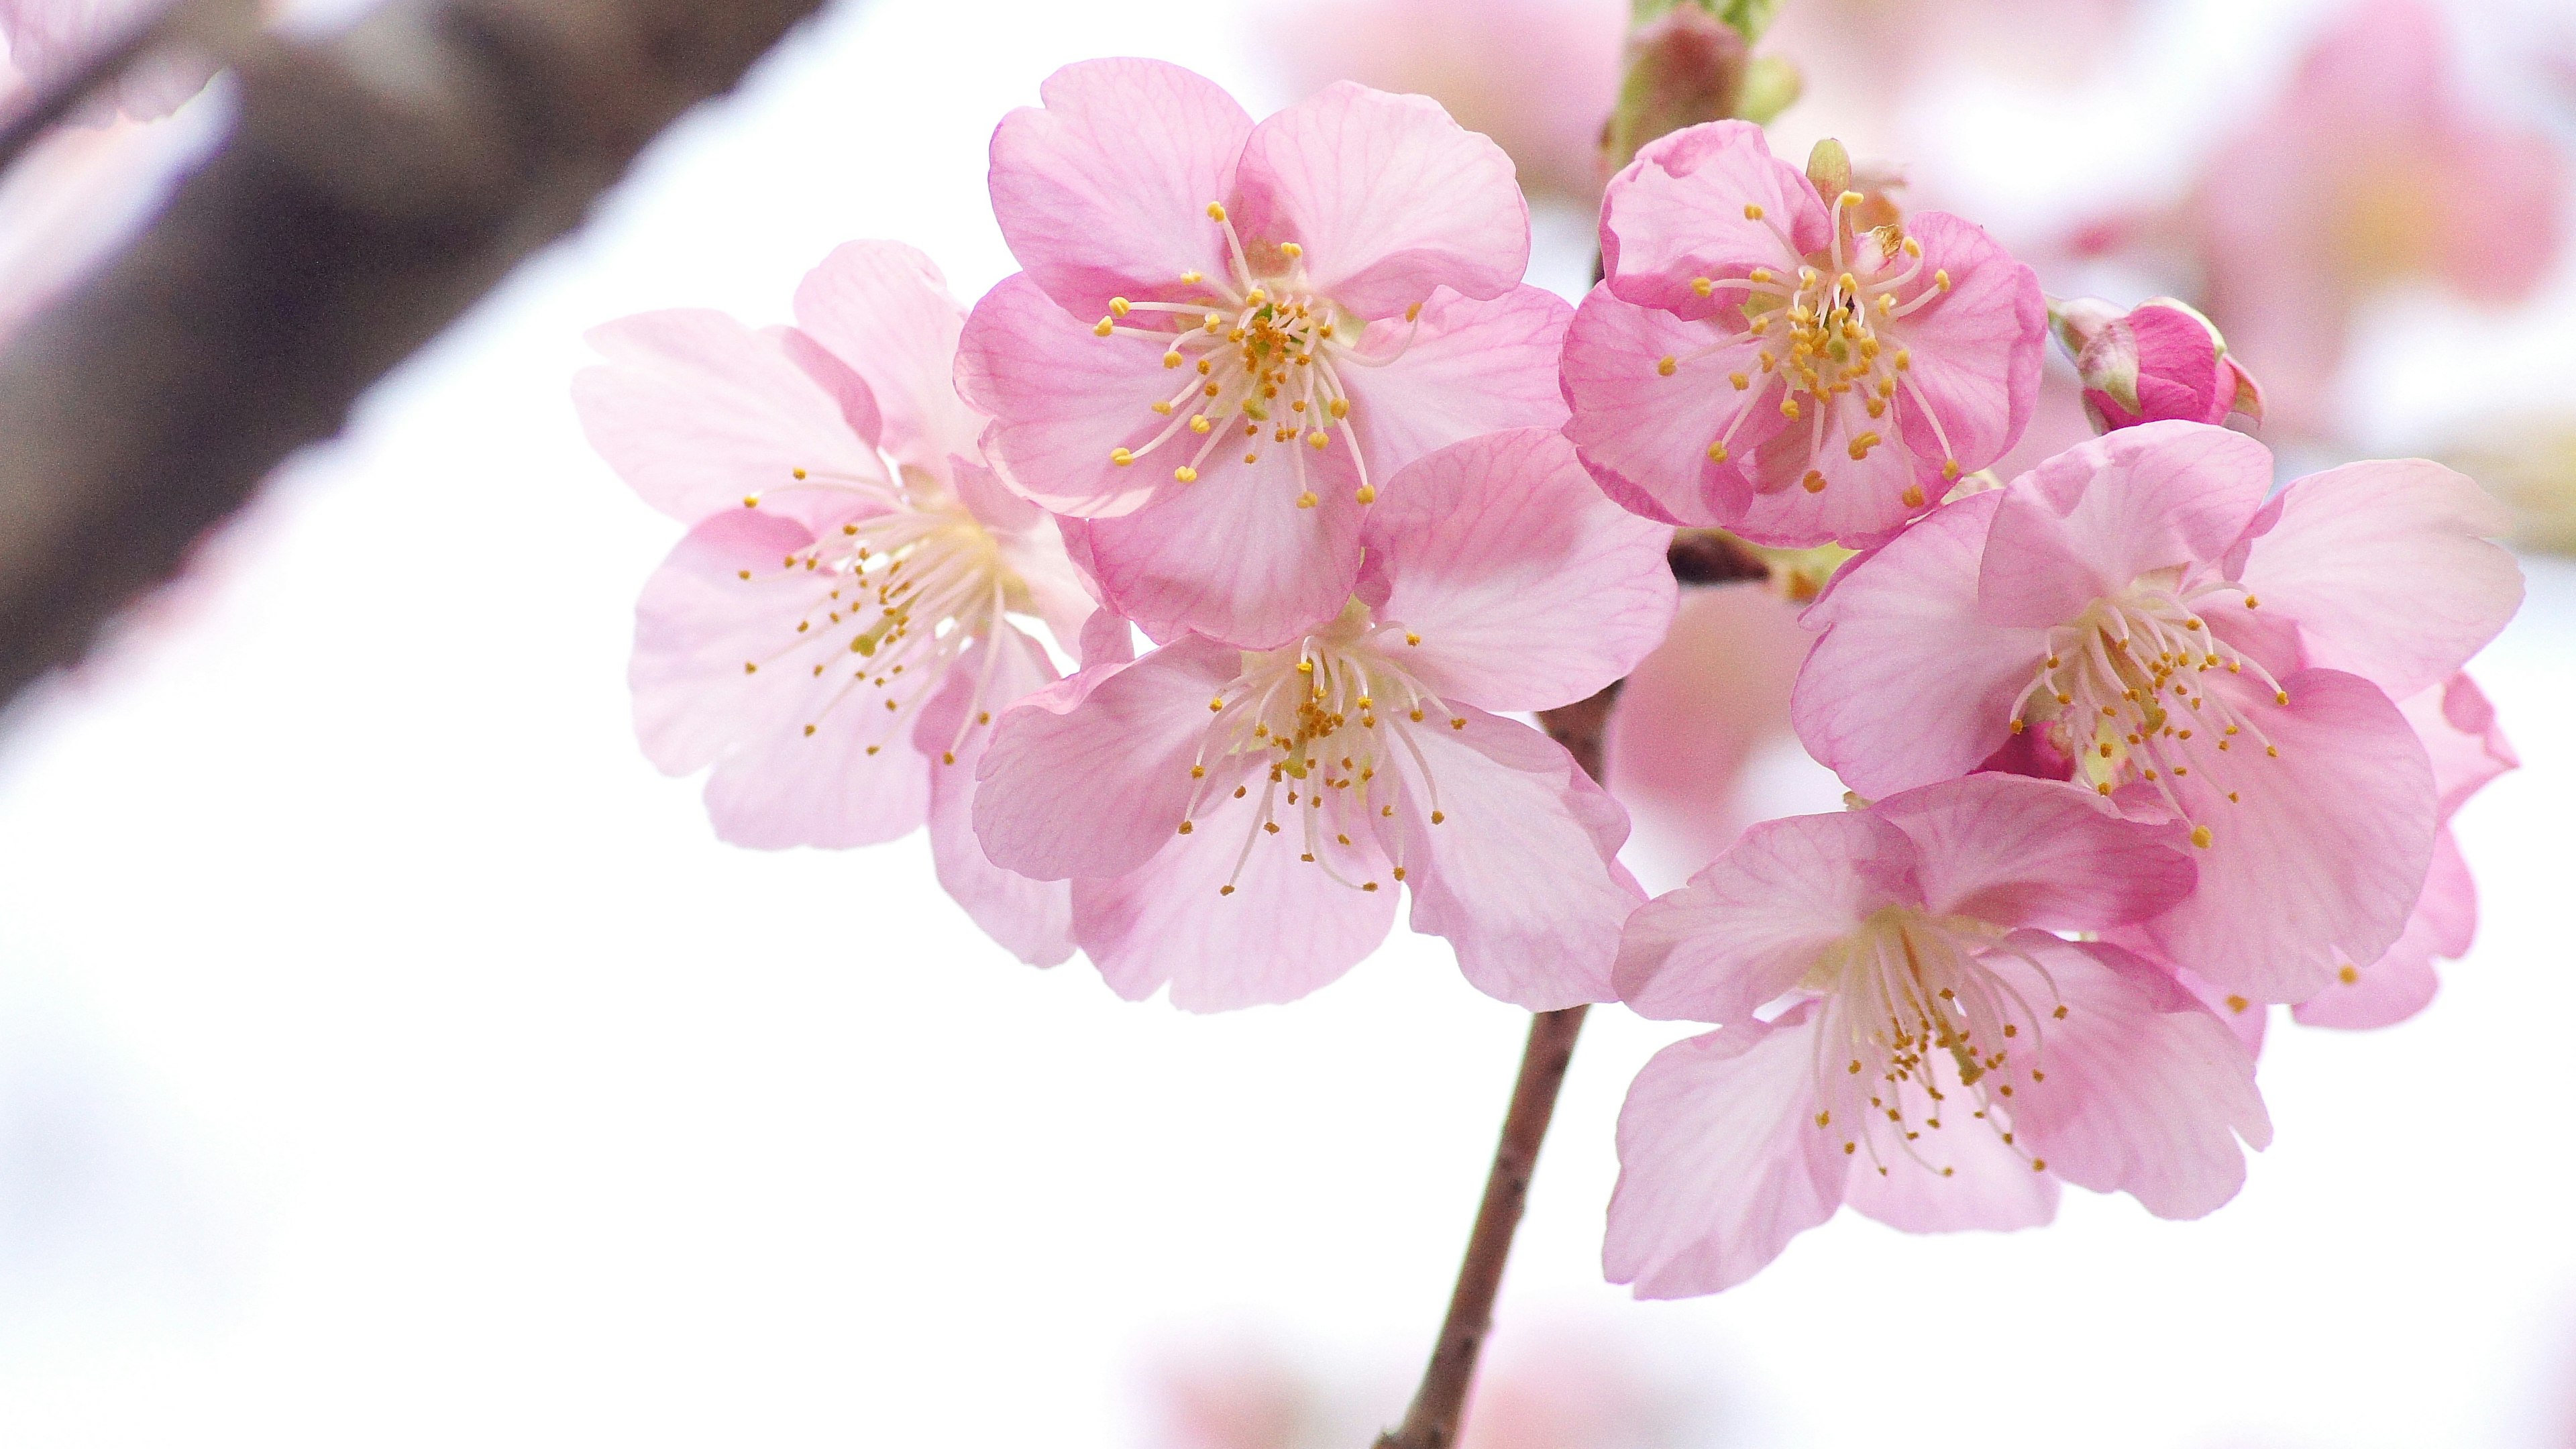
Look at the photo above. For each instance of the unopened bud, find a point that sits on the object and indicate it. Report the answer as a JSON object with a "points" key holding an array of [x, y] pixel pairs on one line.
{"points": [[2158, 360]]}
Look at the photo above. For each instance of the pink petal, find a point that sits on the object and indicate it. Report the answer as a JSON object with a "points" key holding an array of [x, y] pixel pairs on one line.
{"points": [[1388, 197], [1062, 399], [1286, 929], [1104, 192], [1857, 502], [2402, 981], [2087, 523], [1976, 349], [2459, 729], [1521, 874], [1032, 919], [1471, 368], [2386, 569], [1747, 927], [1719, 1166], [884, 310], [2023, 852], [2320, 860], [1232, 556], [1960, 1178], [1646, 436], [1677, 213], [1527, 588], [1879, 702], [853, 780], [696, 411], [2146, 1091], [1092, 777], [2243, 1015]]}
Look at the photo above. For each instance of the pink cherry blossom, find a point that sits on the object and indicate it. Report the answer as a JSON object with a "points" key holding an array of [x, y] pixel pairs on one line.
{"points": [[2375, 166], [1757, 361], [837, 629], [1899, 1030], [1228, 336], [2157, 360], [50, 40], [2170, 636], [1236, 823]]}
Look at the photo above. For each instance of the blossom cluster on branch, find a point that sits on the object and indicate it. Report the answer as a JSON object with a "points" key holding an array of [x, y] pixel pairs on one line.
{"points": [[1317, 500]]}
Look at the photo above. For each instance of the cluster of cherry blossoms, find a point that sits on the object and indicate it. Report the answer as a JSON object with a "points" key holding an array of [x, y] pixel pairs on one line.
{"points": [[1317, 501]]}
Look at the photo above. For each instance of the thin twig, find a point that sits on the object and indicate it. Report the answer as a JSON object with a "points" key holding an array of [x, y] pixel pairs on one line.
{"points": [[377, 183]]}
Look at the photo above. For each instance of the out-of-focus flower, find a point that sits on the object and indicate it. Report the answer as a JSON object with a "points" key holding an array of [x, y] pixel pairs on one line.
{"points": [[1944, 1059], [1539, 76], [1755, 362], [1228, 336], [2372, 168], [2168, 633], [1236, 823], [2156, 361], [2529, 461], [837, 630], [50, 40]]}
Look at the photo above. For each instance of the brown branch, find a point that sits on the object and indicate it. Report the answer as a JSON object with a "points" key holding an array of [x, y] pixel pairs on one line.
{"points": [[1706, 556], [377, 183]]}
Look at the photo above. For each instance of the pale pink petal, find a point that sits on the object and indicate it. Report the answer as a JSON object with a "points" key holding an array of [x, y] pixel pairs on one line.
{"points": [[2139, 1088], [2459, 729], [1877, 705], [1091, 780], [883, 309], [2023, 852], [1747, 928], [1809, 489], [696, 411], [1472, 368], [1960, 1177], [2088, 522], [1233, 557], [1062, 400], [1287, 927], [1032, 919], [1646, 436], [1104, 192], [1678, 213], [1388, 197], [1521, 871], [2321, 856], [1719, 1165], [1526, 587], [2244, 1016], [2402, 981], [2386, 568], [1975, 349]]}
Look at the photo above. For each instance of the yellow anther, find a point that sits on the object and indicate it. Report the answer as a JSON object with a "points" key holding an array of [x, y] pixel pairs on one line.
{"points": [[1814, 482], [1193, 277], [2249, 601], [1941, 278], [1212, 323], [1172, 359], [1215, 211], [1904, 361], [1913, 495], [1410, 640], [1740, 380], [1752, 212], [2199, 833], [1339, 407], [750, 668], [1367, 494], [751, 500], [1256, 298], [1291, 250], [1306, 499], [1667, 367], [1910, 247], [1847, 282], [1759, 274], [1185, 827], [1413, 312], [1101, 328], [1703, 286], [1716, 454], [1217, 705], [1861, 445], [1850, 198], [1121, 457], [1185, 474], [1199, 423], [1118, 306], [2280, 696], [1163, 407], [1789, 408], [1949, 470]]}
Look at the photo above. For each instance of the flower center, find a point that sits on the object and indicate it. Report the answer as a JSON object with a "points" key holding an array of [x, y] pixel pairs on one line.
{"points": [[1259, 357], [2125, 691], [1326, 728], [1918, 1027], [893, 599], [1816, 322]]}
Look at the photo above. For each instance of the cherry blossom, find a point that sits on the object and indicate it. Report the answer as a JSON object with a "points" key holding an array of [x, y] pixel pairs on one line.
{"points": [[2160, 359], [1236, 822], [1757, 360], [839, 626], [1228, 336], [1900, 1030], [2167, 635]]}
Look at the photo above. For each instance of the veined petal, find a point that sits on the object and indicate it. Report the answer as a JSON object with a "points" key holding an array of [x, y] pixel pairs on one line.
{"points": [[1707, 201], [1032, 919], [884, 310], [1471, 368], [1063, 401], [2402, 981], [1976, 348], [1858, 496], [2386, 569], [2087, 523], [1719, 1166], [1527, 588], [1747, 928], [2023, 852], [1646, 436], [1962, 1177], [1232, 556], [2459, 729], [1389, 198], [1103, 191]]}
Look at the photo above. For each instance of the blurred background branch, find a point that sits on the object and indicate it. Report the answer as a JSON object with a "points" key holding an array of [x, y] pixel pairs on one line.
{"points": [[373, 186]]}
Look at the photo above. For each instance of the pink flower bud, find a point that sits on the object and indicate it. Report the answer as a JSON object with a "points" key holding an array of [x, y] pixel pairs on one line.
{"points": [[2159, 360]]}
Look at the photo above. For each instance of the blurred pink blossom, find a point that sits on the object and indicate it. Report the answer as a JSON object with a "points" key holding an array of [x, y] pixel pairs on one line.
{"points": [[1237, 824], [1911, 945], [2165, 629], [1756, 362], [1337, 292], [1538, 76], [837, 630], [2158, 360]]}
